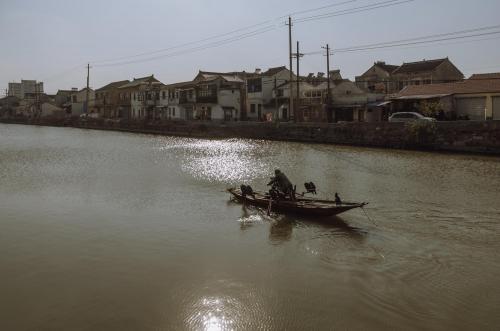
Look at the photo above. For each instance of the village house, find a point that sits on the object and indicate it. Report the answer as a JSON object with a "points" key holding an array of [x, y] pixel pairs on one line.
{"points": [[63, 97], [107, 99], [347, 101], [145, 101], [472, 99], [426, 72], [78, 104], [261, 97], [213, 96], [127, 92], [378, 79], [311, 108], [384, 78], [170, 100]]}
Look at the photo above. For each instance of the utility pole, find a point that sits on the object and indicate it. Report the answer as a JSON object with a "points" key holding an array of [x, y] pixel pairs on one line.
{"points": [[86, 110], [290, 98], [276, 99], [328, 93], [298, 55]]}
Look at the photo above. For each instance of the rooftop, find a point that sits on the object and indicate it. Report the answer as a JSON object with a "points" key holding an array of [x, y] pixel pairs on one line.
{"points": [[386, 67], [139, 81], [425, 65], [463, 87], [114, 85], [493, 75]]}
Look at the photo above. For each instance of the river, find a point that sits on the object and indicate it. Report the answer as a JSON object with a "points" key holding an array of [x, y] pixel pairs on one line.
{"points": [[118, 231]]}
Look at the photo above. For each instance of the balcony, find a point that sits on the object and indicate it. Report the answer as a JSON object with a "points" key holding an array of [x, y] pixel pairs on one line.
{"points": [[207, 99]]}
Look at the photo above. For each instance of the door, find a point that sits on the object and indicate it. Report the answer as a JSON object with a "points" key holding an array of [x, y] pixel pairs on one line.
{"points": [[496, 108], [472, 108]]}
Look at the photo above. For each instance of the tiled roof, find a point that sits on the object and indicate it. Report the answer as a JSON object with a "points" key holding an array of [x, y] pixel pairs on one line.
{"points": [[139, 81], [493, 75], [114, 85], [273, 71], [387, 67], [419, 66], [179, 85], [463, 87]]}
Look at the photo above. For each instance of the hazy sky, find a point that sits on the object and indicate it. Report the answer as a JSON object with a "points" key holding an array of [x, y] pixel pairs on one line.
{"points": [[52, 40]]}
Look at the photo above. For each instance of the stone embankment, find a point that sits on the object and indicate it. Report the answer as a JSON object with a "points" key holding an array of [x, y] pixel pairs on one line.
{"points": [[460, 136]]}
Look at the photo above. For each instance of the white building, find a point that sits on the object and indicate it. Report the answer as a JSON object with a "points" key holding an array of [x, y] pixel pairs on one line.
{"points": [[261, 98], [170, 100], [27, 89], [213, 96], [79, 101]]}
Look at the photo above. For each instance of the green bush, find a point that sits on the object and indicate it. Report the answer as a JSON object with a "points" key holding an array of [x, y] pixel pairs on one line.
{"points": [[421, 133]]}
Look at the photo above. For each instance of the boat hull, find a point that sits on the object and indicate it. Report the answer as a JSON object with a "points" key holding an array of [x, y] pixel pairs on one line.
{"points": [[302, 206]]}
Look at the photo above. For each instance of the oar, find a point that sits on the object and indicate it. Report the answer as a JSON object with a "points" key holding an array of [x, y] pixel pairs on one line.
{"points": [[269, 206], [364, 211]]}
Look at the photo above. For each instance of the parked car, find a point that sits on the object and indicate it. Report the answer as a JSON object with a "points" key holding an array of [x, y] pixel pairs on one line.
{"points": [[409, 117]]}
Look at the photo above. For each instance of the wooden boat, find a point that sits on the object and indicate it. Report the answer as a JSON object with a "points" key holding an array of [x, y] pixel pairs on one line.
{"points": [[303, 206]]}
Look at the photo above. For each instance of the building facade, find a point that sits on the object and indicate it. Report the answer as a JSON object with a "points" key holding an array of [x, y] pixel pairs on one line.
{"points": [[27, 89], [107, 99]]}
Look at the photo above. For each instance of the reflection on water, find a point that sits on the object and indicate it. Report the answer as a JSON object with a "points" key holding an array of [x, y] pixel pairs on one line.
{"points": [[211, 314], [105, 230]]}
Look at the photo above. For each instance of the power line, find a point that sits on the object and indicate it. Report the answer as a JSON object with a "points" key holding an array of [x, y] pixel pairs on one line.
{"points": [[424, 37], [415, 43], [185, 44], [266, 28], [349, 11], [195, 49], [318, 8], [416, 40]]}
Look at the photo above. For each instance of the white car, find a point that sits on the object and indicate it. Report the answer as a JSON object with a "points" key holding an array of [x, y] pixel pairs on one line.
{"points": [[409, 117]]}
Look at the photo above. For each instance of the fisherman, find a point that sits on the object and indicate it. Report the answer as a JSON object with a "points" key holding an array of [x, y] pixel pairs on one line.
{"points": [[283, 184], [338, 201]]}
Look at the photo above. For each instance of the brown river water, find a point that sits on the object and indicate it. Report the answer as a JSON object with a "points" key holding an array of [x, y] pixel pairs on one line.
{"points": [[117, 231]]}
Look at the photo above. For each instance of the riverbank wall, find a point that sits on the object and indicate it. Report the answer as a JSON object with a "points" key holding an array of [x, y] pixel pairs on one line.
{"points": [[481, 137]]}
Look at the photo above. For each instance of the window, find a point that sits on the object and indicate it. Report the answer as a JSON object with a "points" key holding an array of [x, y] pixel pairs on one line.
{"points": [[190, 94], [252, 108], [173, 111], [163, 94], [259, 107], [204, 91], [134, 96], [176, 94]]}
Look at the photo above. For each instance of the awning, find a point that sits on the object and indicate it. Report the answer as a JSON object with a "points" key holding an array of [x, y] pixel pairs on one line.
{"points": [[422, 97], [379, 104], [385, 103]]}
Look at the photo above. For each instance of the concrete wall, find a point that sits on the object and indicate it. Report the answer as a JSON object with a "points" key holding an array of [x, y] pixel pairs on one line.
{"points": [[459, 136]]}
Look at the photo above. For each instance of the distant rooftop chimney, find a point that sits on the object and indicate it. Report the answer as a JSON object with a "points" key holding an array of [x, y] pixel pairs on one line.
{"points": [[321, 74], [258, 71], [74, 89], [380, 62], [335, 74]]}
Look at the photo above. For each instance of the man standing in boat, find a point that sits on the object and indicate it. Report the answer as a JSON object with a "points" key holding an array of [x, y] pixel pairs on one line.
{"points": [[283, 184]]}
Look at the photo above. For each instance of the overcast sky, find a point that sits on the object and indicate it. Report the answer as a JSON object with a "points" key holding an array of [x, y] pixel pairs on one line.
{"points": [[52, 40]]}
